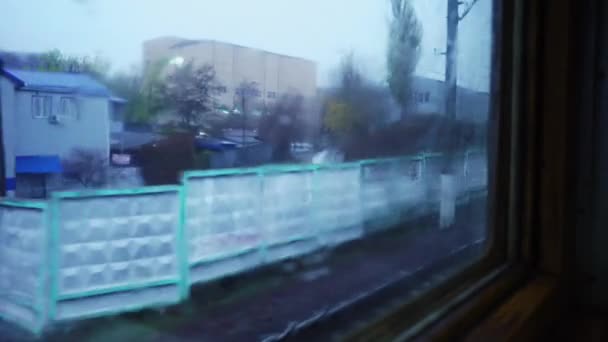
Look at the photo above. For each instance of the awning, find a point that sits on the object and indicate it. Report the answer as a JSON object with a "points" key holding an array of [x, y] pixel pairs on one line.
{"points": [[38, 164]]}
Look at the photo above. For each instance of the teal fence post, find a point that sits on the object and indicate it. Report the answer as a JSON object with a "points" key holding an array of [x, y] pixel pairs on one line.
{"points": [[53, 259], [263, 247], [182, 242], [44, 271], [315, 222]]}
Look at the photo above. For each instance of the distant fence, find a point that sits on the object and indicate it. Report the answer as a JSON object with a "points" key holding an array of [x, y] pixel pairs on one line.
{"points": [[87, 254]]}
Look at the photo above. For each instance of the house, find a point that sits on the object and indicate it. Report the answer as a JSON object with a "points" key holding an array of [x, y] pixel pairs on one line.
{"points": [[428, 97], [45, 116]]}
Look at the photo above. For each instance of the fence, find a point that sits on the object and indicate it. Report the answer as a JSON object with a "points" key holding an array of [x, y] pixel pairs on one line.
{"points": [[115, 251], [86, 254], [23, 271]]}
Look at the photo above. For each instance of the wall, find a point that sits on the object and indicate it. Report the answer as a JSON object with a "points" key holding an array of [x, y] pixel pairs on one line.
{"points": [[429, 98], [9, 131], [234, 64], [91, 130]]}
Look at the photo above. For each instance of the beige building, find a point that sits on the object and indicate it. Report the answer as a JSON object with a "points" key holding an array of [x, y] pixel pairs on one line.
{"points": [[274, 74]]}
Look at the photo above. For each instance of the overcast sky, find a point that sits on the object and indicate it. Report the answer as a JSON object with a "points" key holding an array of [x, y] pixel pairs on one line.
{"points": [[321, 30]]}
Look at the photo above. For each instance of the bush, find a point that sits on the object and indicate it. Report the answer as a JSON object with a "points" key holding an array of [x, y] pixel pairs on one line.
{"points": [[164, 162], [202, 160], [89, 168], [414, 134]]}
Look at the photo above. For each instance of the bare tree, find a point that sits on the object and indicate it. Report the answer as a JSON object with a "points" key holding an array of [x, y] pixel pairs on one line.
{"points": [[191, 92], [245, 94], [87, 167], [283, 125], [356, 105]]}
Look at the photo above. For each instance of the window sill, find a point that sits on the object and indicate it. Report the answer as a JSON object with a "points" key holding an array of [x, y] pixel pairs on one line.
{"points": [[448, 311], [524, 316]]}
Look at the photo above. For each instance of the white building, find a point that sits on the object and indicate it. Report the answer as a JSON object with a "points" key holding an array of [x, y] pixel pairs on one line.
{"points": [[45, 116]]}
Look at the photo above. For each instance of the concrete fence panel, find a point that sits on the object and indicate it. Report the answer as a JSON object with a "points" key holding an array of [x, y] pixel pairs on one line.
{"points": [[223, 222], [337, 203], [115, 251], [23, 267], [287, 211]]}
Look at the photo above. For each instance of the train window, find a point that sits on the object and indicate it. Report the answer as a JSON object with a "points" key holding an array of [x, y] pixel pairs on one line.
{"points": [[235, 218]]}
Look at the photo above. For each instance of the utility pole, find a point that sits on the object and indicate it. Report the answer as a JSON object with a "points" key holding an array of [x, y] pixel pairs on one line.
{"points": [[451, 54], [2, 161], [243, 104], [451, 59], [448, 176]]}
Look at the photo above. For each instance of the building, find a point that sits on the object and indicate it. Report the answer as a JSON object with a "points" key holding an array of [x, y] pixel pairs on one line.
{"points": [[273, 74], [45, 116], [428, 97]]}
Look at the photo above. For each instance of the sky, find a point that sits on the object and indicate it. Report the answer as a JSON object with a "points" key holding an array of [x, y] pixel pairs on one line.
{"points": [[321, 30]]}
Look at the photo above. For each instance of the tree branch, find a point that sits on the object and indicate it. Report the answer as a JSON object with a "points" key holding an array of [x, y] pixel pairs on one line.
{"points": [[467, 10]]}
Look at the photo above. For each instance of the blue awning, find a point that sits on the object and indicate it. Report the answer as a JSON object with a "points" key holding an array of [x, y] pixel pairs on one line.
{"points": [[38, 164]]}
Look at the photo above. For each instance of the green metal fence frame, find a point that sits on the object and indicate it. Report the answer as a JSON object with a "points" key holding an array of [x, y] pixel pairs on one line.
{"points": [[179, 281]]}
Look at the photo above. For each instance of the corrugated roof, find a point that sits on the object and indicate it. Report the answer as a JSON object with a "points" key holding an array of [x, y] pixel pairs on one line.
{"points": [[57, 82]]}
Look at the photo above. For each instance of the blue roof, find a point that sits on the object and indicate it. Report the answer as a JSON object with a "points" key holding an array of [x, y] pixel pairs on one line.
{"points": [[57, 82], [214, 144], [38, 164]]}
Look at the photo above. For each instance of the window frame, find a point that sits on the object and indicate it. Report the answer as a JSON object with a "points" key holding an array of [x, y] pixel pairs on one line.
{"points": [[71, 116], [46, 103]]}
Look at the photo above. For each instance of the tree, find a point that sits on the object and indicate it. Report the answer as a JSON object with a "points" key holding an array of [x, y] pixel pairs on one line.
{"points": [[142, 92], [341, 119], [87, 167], [246, 93], [355, 106], [56, 61], [405, 36], [283, 125], [191, 91]]}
